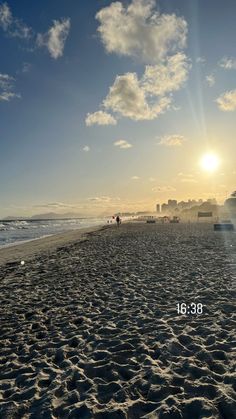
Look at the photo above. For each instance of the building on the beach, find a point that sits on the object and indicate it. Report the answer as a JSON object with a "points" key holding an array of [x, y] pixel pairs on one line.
{"points": [[230, 205], [231, 201], [164, 208], [158, 208]]}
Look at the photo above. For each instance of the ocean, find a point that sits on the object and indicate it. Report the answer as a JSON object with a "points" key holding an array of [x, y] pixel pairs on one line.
{"points": [[16, 232]]}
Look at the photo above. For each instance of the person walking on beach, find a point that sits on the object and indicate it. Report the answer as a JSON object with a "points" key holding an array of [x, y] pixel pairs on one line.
{"points": [[118, 222]]}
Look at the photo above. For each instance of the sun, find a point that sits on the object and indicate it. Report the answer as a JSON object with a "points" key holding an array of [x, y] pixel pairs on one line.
{"points": [[210, 162]]}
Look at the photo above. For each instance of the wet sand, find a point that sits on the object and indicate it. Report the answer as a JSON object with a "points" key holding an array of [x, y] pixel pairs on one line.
{"points": [[30, 248], [89, 328]]}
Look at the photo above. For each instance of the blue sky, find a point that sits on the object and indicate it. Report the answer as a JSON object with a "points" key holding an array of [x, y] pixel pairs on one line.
{"points": [[108, 106]]}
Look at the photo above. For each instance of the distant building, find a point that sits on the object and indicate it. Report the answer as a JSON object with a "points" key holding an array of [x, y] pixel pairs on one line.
{"points": [[174, 207], [172, 204], [182, 205], [230, 203], [212, 201], [158, 208], [164, 208]]}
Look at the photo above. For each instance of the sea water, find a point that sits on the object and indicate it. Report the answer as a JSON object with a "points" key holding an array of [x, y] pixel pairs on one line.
{"points": [[15, 232]]}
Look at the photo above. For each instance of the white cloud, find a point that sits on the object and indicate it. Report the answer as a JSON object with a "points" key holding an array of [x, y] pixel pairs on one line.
{"points": [[151, 179], [188, 180], [172, 140], [200, 60], [104, 199], [7, 88], [122, 144], [185, 175], [55, 205], [167, 76], [54, 40], [5, 81], [7, 96], [86, 148], [229, 63], [147, 98], [163, 189], [210, 79], [135, 177], [139, 30], [128, 98], [19, 30], [100, 198], [26, 67], [11, 25], [5, 16], [227, 101], [100, 118]]}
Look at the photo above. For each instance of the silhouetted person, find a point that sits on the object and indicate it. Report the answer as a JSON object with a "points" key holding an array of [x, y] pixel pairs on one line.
{"points": [[118, 222]]}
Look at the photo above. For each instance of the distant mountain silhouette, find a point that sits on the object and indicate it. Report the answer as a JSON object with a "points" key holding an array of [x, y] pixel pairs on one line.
{"points": [[13, 217], [53, 215], [46, 216]]}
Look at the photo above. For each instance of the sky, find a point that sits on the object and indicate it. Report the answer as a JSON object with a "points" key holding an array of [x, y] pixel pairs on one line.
{"points": [[109, 106]]}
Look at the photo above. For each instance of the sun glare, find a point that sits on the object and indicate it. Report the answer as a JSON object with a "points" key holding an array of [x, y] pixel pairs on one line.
{"points": [[210, 162]]}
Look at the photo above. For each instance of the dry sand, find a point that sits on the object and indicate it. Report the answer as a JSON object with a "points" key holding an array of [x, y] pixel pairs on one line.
{"points": [[89, 329]]}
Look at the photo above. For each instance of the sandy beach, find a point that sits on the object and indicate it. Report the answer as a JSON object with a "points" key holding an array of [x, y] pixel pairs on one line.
{"points": [[90, 329]]}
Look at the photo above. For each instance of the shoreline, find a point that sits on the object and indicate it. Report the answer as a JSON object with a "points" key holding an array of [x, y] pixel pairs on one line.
{"points": [[28, 249], [20, 242]]}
